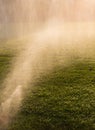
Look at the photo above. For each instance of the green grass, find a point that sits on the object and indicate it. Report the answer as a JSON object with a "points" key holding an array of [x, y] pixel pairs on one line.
{"points": [[5, 64], [62, 100]]}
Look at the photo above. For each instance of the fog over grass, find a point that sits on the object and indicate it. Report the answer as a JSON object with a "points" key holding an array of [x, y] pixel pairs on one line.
{"points": [[52, 45], [52, 38]]}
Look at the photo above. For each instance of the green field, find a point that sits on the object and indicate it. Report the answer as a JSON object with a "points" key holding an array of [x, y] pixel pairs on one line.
{"points": [[63, 99]]}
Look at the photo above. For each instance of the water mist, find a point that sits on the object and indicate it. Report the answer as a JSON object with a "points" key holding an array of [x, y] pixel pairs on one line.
{"points": [[51, 41]]}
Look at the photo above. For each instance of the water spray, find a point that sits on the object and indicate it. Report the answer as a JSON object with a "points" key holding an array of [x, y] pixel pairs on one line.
{"points": [[55, 34]]}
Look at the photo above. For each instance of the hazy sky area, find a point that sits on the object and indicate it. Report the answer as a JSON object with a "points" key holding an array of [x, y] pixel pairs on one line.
{"points": [[21, 14]]}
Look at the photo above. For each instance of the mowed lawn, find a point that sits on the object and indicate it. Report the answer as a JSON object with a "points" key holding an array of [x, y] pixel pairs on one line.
{"points": [[5, 65], [62, 100]]}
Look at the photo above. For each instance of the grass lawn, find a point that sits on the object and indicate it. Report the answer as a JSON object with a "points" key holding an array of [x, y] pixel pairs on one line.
{"points": [[62, 100], [5, 64]]}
